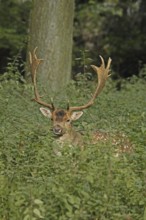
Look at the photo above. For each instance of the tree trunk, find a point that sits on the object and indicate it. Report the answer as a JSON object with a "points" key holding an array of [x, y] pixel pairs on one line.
{"points": [[51, 28]]}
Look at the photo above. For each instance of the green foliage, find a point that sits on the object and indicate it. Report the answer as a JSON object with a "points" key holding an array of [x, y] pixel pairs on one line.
{"points": [[112, 28], [13, 24], [14, 17], [92, 184]]}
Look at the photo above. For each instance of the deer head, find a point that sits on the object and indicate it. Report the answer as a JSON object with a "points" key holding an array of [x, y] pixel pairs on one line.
{"points": [[62, 118]]}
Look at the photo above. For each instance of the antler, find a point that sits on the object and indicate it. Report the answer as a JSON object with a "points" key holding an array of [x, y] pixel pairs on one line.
{"points": [[34, 64], [103, 74]]}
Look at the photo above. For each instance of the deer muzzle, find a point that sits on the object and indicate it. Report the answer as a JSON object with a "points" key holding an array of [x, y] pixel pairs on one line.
{"points": [[58, 130]]}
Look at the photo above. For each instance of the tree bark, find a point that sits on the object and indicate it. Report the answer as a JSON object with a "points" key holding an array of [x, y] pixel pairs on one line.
{"points": [[51, 28]]}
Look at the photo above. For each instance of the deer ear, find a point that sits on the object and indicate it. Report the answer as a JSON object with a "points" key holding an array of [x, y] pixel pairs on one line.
{"points": [[46, 112], [76, 115]]}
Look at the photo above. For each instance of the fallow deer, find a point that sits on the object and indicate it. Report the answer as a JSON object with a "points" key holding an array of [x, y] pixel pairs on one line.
{"points": [[62, 118]]}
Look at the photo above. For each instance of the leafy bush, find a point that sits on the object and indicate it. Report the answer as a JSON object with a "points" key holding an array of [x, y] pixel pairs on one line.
{"points": [[92, 184]]}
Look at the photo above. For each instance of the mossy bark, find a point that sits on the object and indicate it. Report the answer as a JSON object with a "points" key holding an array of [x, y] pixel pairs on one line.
{"points": [[51, 27]]}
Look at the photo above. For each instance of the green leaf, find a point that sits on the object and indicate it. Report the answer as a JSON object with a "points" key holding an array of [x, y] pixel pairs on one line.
{"points": [[90, 179], [27, 217], [37, 213], [38, 201]]}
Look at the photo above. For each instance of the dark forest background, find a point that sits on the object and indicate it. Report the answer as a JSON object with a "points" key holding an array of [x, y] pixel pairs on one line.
{"points": [[114, 28]]}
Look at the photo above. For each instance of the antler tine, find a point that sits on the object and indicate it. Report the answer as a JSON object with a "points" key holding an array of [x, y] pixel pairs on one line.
{"points": [[34, 64], [103, 74]]}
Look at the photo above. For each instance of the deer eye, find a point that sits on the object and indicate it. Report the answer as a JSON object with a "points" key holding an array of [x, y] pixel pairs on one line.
{"points": [[68, 120]]}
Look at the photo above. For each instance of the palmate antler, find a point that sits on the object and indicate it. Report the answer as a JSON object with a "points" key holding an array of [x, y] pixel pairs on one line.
{"points": [[102, 73], [34, 64]]}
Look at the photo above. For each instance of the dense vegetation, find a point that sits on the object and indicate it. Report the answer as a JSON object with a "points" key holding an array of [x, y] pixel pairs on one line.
{"points": [[113, 28], [92, 184], [14, 18]]}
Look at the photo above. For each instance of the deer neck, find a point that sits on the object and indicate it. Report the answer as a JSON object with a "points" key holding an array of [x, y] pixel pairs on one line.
{"points": [[71, 136]]}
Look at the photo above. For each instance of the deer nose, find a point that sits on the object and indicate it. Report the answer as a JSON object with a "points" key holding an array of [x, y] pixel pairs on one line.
{"points": [[57, 130]]}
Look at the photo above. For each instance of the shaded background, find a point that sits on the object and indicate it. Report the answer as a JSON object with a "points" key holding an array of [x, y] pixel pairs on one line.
{"points": [[113, 28]]}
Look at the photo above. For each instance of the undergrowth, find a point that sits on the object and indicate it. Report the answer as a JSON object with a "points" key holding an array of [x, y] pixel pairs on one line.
{"points": [[88, 185]]}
